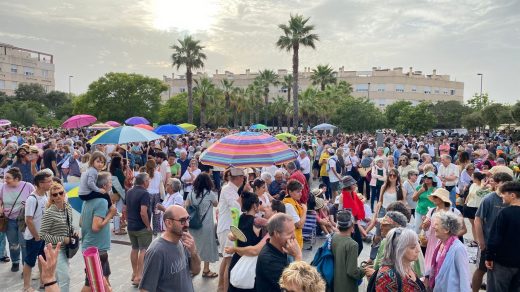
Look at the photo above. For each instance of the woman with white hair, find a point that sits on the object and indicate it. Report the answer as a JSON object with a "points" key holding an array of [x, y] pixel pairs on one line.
{"points": [[364, 167], [396, 273], [449, 269]]}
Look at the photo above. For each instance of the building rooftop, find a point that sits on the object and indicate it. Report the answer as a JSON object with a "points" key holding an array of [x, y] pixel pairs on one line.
{"points": [[8, 49]]}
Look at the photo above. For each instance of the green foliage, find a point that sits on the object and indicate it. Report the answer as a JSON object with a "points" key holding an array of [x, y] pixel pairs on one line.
{"points": [[416, 119], [118, 96], [358, 115], [449, 114], [515, 112], [175, 110], [473, 120], [394, 110], [32, 106], [495, 114], [205, 92], [478, 102], [323, 75]]}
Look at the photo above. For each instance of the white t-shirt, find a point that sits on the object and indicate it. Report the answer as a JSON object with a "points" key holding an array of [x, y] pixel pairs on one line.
{"points": [[305, 164], [36, 211], [186, 179], [332, 164], [289, 210], [155, 183], [164, 168], [228, 200]]}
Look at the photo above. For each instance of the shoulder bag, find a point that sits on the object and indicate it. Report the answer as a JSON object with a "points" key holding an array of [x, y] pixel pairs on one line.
{"points": [[196, 218], [72, 247]]}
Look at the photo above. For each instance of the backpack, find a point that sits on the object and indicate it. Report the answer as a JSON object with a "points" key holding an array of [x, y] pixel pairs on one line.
{"points": [[196, 218], [20, 220], [324, 262], [371, 286], [338, 165]]}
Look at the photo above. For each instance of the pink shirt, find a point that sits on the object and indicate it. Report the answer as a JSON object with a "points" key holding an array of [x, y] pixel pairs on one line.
{"points": [[8, 196]]}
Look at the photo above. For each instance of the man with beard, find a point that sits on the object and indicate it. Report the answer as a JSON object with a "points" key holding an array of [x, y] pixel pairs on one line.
{"points": [[171, 259], [26, 163]]}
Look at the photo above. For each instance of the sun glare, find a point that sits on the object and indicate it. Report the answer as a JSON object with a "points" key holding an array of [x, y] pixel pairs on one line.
{"points": [[190, 15]]}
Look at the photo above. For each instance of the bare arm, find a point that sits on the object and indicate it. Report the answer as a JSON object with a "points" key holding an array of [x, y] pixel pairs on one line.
{"points": [[252, 250], [30, 225], [144, 216], [479, 233], [98, 223]]}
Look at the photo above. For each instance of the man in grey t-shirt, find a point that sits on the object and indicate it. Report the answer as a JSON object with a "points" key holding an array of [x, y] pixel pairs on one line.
{"points": [[485, 217], [172, 258]]}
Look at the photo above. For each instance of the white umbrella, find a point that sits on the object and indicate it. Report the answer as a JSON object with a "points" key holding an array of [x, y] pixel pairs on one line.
{"points": [[324, 126]]}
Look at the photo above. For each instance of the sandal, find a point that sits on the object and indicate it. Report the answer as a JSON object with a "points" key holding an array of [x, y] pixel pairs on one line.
{"points": [[209, 274], [5, 259], [120, 232]]}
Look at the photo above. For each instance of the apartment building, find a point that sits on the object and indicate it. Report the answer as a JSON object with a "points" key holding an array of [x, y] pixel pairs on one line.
{"points": [[18, 65], [382, 86]]}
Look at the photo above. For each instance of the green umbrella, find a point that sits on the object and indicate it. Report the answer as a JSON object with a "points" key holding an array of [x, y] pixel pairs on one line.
{"points": [[258, 127]]}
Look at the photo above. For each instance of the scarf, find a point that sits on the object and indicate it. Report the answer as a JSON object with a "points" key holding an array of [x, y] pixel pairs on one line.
{"points": [[351, 201], [436, 265], [298, 207]]}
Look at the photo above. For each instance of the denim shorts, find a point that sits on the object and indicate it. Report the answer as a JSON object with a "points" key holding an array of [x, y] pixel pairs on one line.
{"points": [[33, 249]]}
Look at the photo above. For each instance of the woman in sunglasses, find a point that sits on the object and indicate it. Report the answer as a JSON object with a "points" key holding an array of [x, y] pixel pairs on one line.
{"points": [[57, 227]]}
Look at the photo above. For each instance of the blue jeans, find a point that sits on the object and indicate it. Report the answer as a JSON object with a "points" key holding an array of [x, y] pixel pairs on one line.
{"points": [[16, 241], [374, 196], [453, 195], [3, 253]]}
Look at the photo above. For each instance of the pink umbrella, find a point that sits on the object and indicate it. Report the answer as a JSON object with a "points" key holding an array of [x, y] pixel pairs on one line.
{"points": [[143, 126], [113, 124], [79, 121]]}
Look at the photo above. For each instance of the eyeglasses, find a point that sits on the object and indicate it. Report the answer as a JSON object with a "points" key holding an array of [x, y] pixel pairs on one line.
{"points": [[58, 193], [181, 220]]}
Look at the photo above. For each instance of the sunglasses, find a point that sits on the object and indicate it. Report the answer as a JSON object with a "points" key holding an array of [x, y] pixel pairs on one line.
{"points": [[58, 193], [392, 175]]}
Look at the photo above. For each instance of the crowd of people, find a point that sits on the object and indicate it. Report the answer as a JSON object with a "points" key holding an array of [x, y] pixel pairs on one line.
{"points": [[407, 196]]}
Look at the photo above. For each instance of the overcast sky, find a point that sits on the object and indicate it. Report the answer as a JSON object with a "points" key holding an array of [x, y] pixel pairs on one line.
{"points": [[90, 38]]}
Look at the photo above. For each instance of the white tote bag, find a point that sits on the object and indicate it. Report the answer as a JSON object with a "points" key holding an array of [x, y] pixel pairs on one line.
{"points": [[243, 273]]}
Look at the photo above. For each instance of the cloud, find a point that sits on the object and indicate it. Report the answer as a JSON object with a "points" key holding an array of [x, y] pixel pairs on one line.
{"points": [[91, 38]]}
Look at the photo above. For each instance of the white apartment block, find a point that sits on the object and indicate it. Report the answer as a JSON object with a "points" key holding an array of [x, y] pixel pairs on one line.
{"points": [[18, 65], [382, 86]]}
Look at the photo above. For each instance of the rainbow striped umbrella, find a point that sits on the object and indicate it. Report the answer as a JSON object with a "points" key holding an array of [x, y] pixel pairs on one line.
{"points": [[247, 149]]}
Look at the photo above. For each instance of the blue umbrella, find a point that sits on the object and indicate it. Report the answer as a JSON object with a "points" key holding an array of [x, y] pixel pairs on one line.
{"points": [[136, 121], [126, 134], [170, 129]]}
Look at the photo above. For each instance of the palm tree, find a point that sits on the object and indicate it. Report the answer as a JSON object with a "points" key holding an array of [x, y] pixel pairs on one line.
{"points": [[227, 87], [297, 32], [278, 108], [287, 84], [205, 91], [265, 79], [188, 53], [238, 106], [323, 75]]}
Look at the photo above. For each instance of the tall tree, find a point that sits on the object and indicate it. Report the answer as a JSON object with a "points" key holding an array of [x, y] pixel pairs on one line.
{"points": [[478, 102], [515, 112], [30, 92], [297, 32], [449, 113], [394, 110], [227, 87], [416, 119], [358, 115], [287, 84], [117, 96], [323, 75], [188, 53], [205, 91], [265, 79]]}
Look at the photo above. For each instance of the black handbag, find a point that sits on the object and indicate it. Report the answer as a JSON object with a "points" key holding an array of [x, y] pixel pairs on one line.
{"points": [[73, 246]]}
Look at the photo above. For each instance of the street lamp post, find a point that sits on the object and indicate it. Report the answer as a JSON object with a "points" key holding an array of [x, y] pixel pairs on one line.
{"points": [[481, 75], [70, 77], [368, 90]]}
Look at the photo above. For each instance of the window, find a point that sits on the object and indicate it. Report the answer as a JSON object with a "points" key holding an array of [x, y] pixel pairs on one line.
{"points": [[2, 84], [436, 90], [14, 69], [361, 87], [452, 92], [399, 88], [45, 73], [182, 89], [28, 71], [445, 91], [14, 85], [380, 87], [427, 90], [414, 88]]}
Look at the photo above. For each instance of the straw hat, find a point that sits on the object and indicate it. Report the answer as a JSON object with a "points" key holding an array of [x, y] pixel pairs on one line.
{"points": [[317, 192], [442, 194], [320, 203]]}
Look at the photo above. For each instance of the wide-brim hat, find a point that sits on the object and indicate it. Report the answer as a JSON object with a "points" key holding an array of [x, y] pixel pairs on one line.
{"points": [[235, 171], [317, 192], [442, 194], [430, 174], [348, 181], [320, 203]]}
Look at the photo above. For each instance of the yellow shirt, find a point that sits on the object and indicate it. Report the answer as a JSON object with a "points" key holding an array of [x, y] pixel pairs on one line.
{"points": [[298, 232], [324, 158]]}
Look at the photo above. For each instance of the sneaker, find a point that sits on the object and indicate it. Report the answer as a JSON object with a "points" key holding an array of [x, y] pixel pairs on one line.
{"points": [[15, 267], [35, 274]]}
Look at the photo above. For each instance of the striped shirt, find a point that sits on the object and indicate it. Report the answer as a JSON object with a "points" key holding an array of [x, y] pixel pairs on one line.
{"points": [[54, 224]]}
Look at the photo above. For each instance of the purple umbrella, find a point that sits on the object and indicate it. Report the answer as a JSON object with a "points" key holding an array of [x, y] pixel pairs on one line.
{"points": [[79, 121], [136, 121]]}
